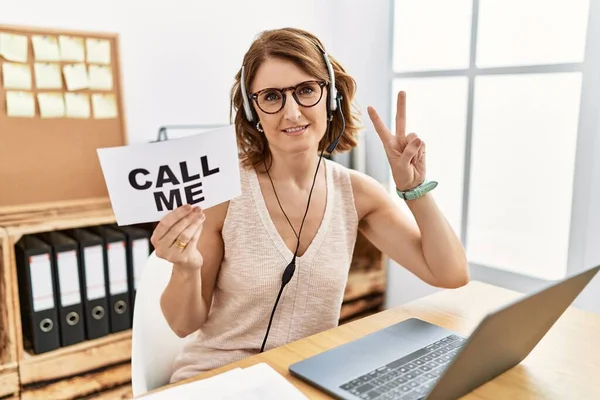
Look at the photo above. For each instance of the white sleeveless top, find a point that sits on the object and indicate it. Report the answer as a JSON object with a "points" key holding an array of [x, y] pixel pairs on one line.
{"points": [[249, 279]]}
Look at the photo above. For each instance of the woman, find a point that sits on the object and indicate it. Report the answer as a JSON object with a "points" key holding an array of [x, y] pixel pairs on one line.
{"points": [[270, 266]]}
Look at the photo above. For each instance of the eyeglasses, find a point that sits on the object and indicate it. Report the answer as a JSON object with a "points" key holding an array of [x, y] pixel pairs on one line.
{"points": [[306, 94]]}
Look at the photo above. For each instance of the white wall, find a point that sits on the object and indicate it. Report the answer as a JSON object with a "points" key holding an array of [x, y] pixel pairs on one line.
{"points": [[590, 298], [361, 42], [585, 230], [178, 59]]}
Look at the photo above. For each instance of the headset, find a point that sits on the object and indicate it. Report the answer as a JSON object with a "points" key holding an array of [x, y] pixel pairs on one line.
{"points": [[333, 99], [333, 104]]}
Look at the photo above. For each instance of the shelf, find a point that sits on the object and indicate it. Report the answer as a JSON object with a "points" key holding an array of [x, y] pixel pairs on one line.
{"points": [[9, 379], [76, 359], [77, 215], [96, 383], [118, 393]]}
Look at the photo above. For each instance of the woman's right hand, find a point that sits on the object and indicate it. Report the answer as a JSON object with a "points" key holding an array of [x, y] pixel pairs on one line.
{"points": [[176, 236]]}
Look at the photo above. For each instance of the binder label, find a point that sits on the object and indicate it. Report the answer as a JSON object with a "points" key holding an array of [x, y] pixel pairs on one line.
{"points": [[95, 283], [68, 278], [117, 267], [141, 251], [42, 290]]}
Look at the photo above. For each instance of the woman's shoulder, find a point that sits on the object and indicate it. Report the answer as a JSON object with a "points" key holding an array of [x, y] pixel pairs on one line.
{"points": [[357, 179], [366, 191]]}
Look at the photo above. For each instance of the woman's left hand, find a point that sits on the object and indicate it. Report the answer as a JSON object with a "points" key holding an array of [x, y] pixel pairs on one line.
{"points": [[405, 153]]}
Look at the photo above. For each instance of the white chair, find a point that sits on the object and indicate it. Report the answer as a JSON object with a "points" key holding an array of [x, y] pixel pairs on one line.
{"points": [[154, 345]]}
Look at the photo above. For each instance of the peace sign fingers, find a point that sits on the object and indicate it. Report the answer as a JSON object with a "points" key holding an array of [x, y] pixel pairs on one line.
{"points": [[383, 132], [393, 145], [401, 120], [405, 153]]}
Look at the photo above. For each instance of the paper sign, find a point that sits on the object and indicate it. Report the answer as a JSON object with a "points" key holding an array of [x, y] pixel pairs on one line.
{"points": [[20, 104], [13, 47], [78, 105], [52, 105], [45, 48], [71, 48], [100, 78], [104, 105], [47, 76], [76, 76], [16, 76], [147, 181], [98, 51]]}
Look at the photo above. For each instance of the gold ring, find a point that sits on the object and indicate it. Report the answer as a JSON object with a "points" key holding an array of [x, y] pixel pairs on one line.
{"points": [[180, 244]]}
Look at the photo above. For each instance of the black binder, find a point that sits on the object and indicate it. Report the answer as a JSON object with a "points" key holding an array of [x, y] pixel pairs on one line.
{"points": [[115, 268], [65, 266], [39, 315], [93, 282], [138, 250]]}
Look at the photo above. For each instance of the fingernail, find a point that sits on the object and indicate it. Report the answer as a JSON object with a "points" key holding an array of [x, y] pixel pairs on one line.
{"points": [[197, 210], [187, 207]]}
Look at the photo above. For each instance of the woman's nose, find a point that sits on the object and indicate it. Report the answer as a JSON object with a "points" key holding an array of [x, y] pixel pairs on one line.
{"points": [[291, 109]]}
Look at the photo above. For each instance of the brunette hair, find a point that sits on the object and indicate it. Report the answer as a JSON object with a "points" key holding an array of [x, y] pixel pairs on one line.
{"points": [[299, 47]]}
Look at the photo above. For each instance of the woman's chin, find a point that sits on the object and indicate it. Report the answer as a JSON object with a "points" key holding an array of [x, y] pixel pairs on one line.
{"points": [[300, 147]]}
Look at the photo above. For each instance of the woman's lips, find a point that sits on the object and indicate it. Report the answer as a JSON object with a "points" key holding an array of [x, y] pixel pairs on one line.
{"points": [[295, 131]]}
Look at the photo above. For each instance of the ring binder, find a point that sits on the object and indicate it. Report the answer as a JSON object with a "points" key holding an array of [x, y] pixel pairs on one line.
{"points": [[37, 295], [138, 251], [65, 265], [93, 282], [115, 267]]}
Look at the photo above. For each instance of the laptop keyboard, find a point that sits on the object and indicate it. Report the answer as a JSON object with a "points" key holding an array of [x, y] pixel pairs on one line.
{"points": [[410, 377]]}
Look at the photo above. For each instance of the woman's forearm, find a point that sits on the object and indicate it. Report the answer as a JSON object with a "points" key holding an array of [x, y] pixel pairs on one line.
{"points": [[442, 249], [182, 303]]}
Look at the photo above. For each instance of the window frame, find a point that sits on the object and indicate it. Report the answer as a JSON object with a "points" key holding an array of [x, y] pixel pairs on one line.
{"points": [[586, 141]]}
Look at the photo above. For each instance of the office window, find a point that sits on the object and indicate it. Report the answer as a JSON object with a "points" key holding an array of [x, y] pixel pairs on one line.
{"points": [[494, 86], [431, 34], [522, 165], [438, 110], [529, 32]]}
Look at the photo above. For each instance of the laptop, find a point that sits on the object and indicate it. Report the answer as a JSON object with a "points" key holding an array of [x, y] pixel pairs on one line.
{"points": [[415, 360]]}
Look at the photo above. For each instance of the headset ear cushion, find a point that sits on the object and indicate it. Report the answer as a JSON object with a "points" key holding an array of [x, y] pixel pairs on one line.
{"points": [[248, 112], [245, 100], [333, 99]]}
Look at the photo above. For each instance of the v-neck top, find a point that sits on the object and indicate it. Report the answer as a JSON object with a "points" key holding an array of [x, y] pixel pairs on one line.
{"points": [[249, 278]]}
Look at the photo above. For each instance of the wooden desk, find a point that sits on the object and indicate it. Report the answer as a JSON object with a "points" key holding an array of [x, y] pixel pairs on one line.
{"points": [[564, 365]]}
